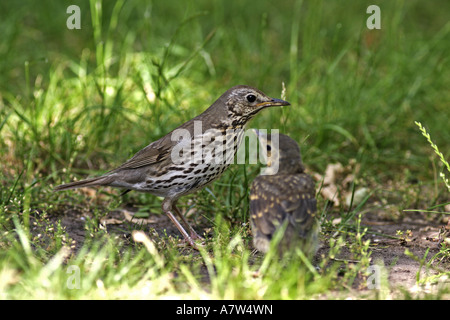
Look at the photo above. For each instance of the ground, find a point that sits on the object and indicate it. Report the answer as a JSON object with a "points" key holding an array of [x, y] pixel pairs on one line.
{"points": [[387, 247]]}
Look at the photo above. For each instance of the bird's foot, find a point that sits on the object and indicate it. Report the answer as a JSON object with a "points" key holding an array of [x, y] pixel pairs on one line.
{"points": [[189, 242], [194, 235]]}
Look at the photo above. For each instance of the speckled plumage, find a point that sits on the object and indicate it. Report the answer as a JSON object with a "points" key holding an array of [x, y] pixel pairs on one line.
{"points": [[170, 168], [284, 201]]}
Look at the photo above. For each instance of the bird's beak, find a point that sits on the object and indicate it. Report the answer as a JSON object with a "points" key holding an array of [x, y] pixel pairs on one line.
{"points": [[273, 102]]}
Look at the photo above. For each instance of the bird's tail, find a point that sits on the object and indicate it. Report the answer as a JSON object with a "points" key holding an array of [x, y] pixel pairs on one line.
{"points": [[97, 181]]}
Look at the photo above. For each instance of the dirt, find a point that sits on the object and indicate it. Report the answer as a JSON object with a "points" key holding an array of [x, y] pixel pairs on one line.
{"points": [[419, 236], [388, 248]]}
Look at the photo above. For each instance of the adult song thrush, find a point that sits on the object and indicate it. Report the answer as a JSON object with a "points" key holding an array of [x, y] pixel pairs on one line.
{"points": [[282, 198], [189, 157]]}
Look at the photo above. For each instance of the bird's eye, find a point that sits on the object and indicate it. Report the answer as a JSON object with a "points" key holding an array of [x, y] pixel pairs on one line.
{"points": [[269, 148], [251, 98]]}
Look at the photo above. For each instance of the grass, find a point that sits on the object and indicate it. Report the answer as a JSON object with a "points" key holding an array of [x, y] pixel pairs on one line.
{"points": [[436, 150], [75, 103]]}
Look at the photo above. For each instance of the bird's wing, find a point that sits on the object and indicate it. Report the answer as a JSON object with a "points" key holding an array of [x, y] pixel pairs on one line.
{"points": [[277, 198], [153, 153], [161, 149]]}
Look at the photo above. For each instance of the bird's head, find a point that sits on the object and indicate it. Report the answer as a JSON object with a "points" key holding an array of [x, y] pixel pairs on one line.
{"points": [[243, 102], [280, 152]]}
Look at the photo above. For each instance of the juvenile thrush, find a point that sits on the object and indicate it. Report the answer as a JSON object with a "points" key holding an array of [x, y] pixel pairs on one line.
{"points": [[282, 198], [189, 157]]}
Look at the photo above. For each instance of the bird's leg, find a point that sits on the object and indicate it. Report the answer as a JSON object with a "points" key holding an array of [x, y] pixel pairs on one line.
{"points": [[191, 230], [181, 229], [167, 208]]}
